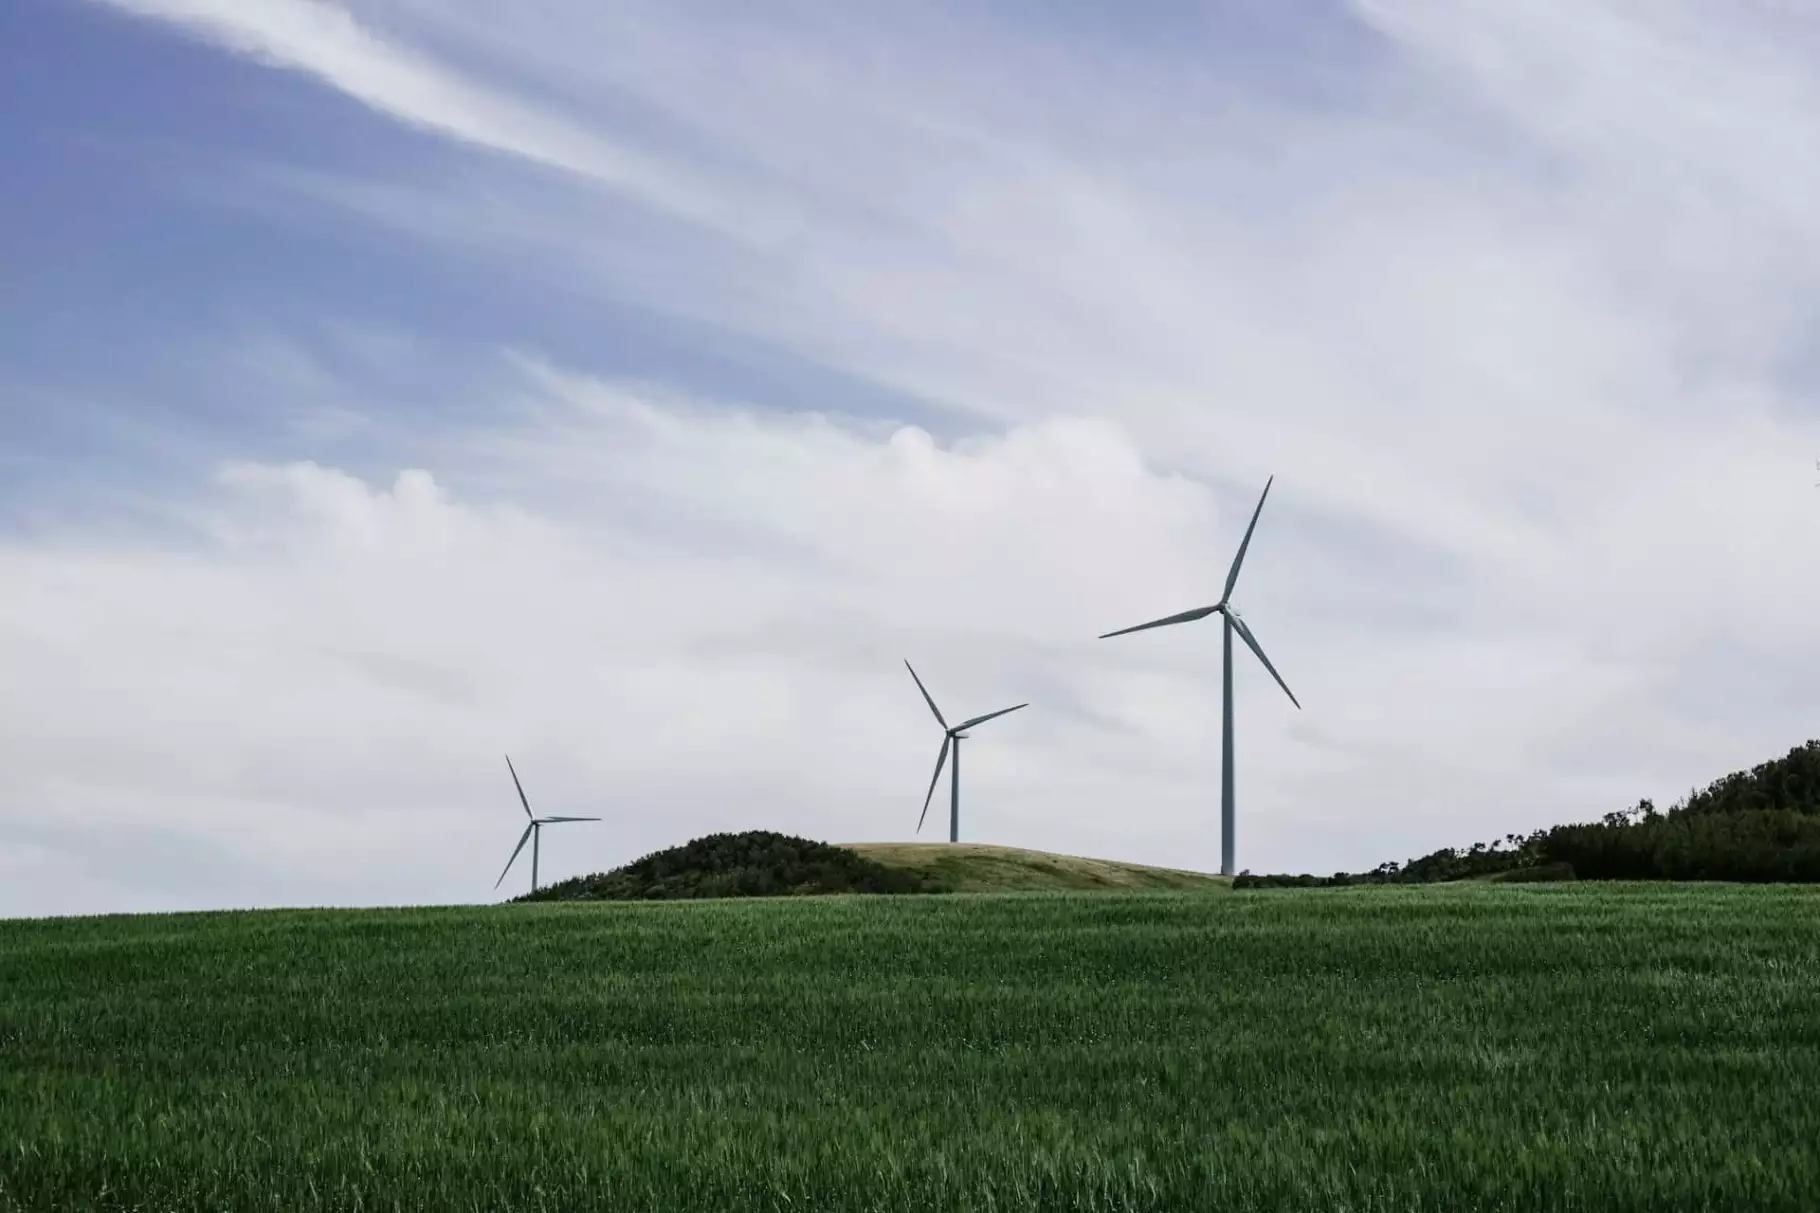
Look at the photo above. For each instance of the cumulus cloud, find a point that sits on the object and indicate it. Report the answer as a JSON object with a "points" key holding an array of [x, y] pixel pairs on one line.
{"points": [[321, 683], [1513, 301]]}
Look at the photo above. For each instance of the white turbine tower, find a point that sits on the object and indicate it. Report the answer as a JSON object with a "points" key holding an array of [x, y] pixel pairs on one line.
{"points": [[1233, 623]]}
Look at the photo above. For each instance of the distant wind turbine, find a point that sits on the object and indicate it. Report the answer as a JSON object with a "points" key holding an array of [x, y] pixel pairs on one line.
{"points": [[532, 832], [1233, 623], [950, 737]]}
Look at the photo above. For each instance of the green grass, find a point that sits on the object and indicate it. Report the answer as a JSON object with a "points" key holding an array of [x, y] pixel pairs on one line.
{"points": [[971, 867], [1454, 1048]]}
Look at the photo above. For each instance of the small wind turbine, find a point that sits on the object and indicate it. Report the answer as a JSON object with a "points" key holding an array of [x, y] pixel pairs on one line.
{"points": [[950, 736], [1233, 623], [532, 832]]}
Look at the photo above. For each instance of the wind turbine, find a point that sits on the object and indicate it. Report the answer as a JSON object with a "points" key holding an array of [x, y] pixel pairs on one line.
{"points": [[950, 737], [532, 832], [1233, 623]]}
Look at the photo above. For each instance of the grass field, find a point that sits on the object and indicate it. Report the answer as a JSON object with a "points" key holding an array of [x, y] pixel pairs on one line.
{"points": [[972, 867], [1442, 1048]]}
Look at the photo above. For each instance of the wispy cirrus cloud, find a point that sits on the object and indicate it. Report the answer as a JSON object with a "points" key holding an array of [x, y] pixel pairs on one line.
{"points": [[331, 43]]}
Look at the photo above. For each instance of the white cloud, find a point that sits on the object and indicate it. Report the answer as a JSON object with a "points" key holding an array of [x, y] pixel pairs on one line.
{"points": [[342, 664], [1520, 326]]}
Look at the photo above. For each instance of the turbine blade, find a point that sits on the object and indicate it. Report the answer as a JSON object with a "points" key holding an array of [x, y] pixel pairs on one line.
{"points": [[1232, 578], [965, 725], [937, 778], [522, 839], [1184, 617], [521, 793], [1251, 642], [548, 820], [926, 698]]}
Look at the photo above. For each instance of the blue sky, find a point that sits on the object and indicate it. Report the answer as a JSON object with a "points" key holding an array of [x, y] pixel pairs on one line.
{"points": [[387, 383]]}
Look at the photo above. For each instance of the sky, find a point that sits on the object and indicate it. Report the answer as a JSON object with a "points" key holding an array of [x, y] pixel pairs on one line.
{"points": [[390, 385]]}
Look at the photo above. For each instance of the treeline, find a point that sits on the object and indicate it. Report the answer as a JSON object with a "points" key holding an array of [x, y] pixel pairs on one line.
{"points": [[1760, 825], [756, 863]]}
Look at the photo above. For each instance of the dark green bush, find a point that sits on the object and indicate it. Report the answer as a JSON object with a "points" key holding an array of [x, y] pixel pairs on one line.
{"points": [[757, 863], [1541, 871], [1754, 845]]}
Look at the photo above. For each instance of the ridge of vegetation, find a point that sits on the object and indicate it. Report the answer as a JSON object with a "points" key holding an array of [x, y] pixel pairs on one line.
{"points": [[1755, 826]]}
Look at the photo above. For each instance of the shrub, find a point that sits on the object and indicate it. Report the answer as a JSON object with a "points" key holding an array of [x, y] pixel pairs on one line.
{"points": [[757, 863], [1541, 871]]}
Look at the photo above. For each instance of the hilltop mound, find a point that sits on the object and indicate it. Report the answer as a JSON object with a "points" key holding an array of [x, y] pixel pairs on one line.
{"points": [[971, 867], [757, 863]]}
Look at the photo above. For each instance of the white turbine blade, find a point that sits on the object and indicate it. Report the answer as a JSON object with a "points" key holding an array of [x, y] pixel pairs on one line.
{"points": [[935, 779], [964, 726], [1184, 617], [926, 698], [1232, 577], [521, 793], [522, 839], [1251, 642], [548, 820]]}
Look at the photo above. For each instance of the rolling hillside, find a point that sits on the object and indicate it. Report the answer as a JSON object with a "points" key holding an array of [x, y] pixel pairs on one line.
{"points": [[1566, 1047]]}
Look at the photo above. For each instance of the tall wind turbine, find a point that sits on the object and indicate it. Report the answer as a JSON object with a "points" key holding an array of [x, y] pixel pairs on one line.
{"points": [[1233, 623], [532, 832], [950, 737]]}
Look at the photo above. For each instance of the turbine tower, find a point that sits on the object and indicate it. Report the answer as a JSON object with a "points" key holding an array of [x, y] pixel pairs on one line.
{"points": [[1233, 623], [533, 832], [950, 737]]}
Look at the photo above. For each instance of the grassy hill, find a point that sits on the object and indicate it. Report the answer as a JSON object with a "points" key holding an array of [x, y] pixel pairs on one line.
{"points": [[972, 867], [1455, 1047], [760, 863]]}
